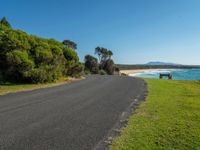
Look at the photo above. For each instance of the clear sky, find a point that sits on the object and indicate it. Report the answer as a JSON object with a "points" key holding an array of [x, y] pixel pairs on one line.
{"points": [[137, 31]]}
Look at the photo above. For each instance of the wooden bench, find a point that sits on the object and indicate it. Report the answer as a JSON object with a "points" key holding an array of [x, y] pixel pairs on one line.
{"points": [[169, 75]]}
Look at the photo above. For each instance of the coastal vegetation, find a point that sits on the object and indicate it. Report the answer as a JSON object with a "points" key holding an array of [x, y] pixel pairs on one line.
{"points": [[91, 64], [27, 58], [168, 119], [29, 62], [105, 66], [31, 59]]}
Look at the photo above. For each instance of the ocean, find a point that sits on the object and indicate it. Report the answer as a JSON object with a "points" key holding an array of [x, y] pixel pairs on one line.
{"points": [[178, 74]]}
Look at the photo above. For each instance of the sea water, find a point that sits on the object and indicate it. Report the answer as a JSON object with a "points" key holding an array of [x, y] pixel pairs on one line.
{"points": [[178, 74]]}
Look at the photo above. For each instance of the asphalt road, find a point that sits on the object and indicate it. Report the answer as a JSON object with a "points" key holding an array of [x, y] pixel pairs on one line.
{"points": [[74, 116]]}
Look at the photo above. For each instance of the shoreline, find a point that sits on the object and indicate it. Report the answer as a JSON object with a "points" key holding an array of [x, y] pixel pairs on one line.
{"points": [[136, 71]]}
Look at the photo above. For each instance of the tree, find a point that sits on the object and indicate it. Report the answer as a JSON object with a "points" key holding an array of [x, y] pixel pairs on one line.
{"points": [[98, 52], [109, 66], [70, 54], [91, 64], [5, 22], [74, 69], [70, 44], [109, 53], [103, 54], [27, 58]]}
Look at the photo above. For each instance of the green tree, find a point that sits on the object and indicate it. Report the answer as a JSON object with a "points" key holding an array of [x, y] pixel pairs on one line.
{"points": [[5, 22], [109, 66], [98, 52], [70, 44], [105, 59], [74, 69], [91, 64], [109, 54], [103, 54], [43, 54], [30, 58], [70, 54], [18, 65]]}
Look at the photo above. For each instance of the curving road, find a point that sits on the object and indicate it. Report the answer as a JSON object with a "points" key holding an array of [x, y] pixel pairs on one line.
{"points": [[75, 116]]}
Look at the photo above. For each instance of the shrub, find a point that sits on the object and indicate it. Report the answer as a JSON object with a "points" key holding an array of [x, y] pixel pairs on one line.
{"points": [[38, 75], [43, 55], [1, 77], [87, 72], [26, 57], [91, 64], [5, 22], [70, 54], [102, 72], [74, 69], [20, 60], [18, 64], [109, 67]]}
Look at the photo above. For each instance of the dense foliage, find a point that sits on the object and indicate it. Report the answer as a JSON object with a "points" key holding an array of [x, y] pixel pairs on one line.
{"points": [[28, 58], [91, 64], [70, 44], [105, 61], [106, 64], [4, 22], [109, 66]]}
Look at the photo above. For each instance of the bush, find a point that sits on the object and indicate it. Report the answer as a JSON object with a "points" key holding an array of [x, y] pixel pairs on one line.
{"points": [[43, 74], [109, 67], [102, 72], [1, 77], [74, 69], [43, 55], [18, 64], [29, 58], [91, 64], [87, 72], [123, 74], [37, 76], [70, 54], [19, 59]]}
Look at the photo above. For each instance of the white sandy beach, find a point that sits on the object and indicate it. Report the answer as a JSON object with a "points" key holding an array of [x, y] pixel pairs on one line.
{"points": [[136, 71]]}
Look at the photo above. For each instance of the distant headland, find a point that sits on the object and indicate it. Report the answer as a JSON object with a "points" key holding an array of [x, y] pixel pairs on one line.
{"points": [[156, 65]]}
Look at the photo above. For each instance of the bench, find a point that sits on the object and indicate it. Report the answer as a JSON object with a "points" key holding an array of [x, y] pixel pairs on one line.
{"points": [[169, 75]]}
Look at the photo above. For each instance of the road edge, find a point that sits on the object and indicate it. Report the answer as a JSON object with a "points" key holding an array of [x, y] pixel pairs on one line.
{"points": [[115, 131], [43, 86]]}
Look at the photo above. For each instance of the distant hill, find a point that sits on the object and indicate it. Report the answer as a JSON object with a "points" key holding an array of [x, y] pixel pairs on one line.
{"points": [[155, 66], [158, 63]]}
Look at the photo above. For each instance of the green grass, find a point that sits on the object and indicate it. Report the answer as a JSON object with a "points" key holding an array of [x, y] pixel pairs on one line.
{"points": [[6, 88], [168, 119]]}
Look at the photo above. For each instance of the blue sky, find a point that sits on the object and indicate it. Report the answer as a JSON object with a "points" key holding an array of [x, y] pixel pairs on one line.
{"points": [[137, 31]]}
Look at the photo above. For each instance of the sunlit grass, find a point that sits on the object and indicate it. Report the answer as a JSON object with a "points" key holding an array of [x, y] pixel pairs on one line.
{"points": [[168, 119], [16, 87]]}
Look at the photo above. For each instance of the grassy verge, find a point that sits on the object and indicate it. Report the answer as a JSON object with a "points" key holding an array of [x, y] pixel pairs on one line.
{"points": [[15, 87], [168, 119]]}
